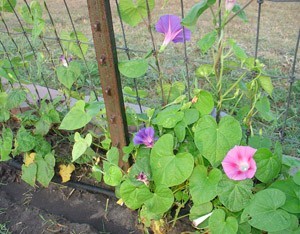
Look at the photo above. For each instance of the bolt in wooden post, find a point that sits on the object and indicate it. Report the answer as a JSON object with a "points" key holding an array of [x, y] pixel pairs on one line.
{"points": [[104, 41]]}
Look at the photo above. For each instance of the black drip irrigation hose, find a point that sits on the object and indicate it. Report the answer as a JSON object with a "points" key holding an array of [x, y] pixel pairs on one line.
{"points": [[72, 184]]}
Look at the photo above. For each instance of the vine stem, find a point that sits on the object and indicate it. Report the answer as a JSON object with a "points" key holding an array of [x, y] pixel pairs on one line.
{"points": [[155, 54]]}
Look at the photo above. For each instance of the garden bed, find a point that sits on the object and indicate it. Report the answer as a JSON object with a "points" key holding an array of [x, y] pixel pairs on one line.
{"points": [[61, 209]]}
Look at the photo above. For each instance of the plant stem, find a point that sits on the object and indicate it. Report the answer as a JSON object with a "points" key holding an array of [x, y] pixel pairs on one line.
{"points": [[155, 54], [234, 85]]}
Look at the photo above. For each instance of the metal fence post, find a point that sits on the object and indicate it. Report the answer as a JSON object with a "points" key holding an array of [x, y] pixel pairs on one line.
{"points": [[106, 54]]}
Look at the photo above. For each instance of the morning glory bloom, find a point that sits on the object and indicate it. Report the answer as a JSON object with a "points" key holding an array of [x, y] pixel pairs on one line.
{"points": [[65, 61], [239, 163], [201, 219], [229, 4], [171, 27], [143, 178], [144, 136]]}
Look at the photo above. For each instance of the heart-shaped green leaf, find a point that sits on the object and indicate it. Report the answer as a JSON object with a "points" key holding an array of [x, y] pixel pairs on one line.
{"points": [[201, 180], [268, 165], [235, 195], [169, 169], [215, 140], [112, 174], [264, 211], [204, 103], [169, 117], [6, 143], [68, 75], [76, 117], [161, 200], [133, 12], [81, 145], [45, 169], [218, 223], [292, 193], [134, 197], [133, 68]]}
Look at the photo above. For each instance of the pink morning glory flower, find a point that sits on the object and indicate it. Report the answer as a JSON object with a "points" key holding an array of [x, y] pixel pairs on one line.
{"points": [[229, 4], [144, 136], [143, 178], [65, 60], [171, 27], [239, 163]]}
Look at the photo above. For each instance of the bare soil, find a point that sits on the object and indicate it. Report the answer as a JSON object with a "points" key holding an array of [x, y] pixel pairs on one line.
{"points": [[59, 209]]}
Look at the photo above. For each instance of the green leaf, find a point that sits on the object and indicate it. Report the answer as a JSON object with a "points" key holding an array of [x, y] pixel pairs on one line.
{"points": [[45, 169], [113, 175], [292, 193], [292, 229], [76, 118], [190, 116], [36, 9], [219, 224], [129, 91], [113, 155], [70, 43], [38, 28], [161, 201], [42, 146], [266, 84], [268, 165], [29, 173], [134, 197], [43, 125], [169, 117], [207, 41], [215, 140], [133, 12], [192, 16], [235, 195], [205, 70], [4, 115], [263, 108], [180, 131], [201, 180], [97, 173], [24, 141], [7, 5], [242, 15], [200, 210], [133, 68], [15, 98], [296, 178], [6, 144], [68, 75], [205, 102], [260, 142], [264, 211], [169, 169], [238, 51], [81, 145]]}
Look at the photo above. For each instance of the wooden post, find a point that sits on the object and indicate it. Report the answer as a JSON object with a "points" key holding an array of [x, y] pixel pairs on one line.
{"points": [[106, 54]]}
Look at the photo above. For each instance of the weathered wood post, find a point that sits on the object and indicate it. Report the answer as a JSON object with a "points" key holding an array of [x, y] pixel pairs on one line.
{"points": [[106, 54]]}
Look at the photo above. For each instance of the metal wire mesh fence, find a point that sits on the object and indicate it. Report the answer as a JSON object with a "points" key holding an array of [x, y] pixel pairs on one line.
{"points": [[41, 45]]}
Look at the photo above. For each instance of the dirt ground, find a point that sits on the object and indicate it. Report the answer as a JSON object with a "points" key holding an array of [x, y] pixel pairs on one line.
{"points": [[59, 209]]}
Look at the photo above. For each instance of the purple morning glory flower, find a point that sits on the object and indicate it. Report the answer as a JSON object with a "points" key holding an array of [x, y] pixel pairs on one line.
{"points": [[65, 61], [170, 26], [143, 178], [144, 136]]}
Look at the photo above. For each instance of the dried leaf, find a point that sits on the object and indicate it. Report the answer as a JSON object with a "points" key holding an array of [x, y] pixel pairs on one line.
{"points": [[29, 159], [66, 171]]}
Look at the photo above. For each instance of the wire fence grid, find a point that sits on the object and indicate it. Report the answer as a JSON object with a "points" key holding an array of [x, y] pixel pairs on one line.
{"points": [[33, 60]]}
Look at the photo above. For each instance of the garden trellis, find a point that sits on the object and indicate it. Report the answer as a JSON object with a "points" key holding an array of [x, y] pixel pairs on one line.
{"points": [[32, 44]]}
